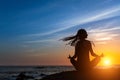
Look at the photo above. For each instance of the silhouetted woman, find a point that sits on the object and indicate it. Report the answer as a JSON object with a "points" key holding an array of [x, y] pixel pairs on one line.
{"points": [[82, 49]]}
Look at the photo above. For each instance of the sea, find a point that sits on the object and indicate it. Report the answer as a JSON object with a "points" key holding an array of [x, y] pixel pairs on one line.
{"points": [[37, 72]]}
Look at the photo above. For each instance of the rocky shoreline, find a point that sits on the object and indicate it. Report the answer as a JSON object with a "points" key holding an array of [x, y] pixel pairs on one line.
{"points": [[96, 74]]}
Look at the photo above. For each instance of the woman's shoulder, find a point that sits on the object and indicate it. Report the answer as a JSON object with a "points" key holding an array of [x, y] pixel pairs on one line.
{"points": [[85, 41], [88, 41]]}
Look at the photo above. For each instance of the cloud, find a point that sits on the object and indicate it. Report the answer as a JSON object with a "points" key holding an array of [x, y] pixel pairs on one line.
{"points": [[111, 12], [105, 30], [103, 35], [40, 41]]}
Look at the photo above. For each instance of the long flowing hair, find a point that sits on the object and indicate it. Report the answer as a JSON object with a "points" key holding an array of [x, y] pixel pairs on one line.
{"points": [[81, 34]]}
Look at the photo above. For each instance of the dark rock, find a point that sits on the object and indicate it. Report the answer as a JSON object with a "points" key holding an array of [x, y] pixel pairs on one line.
{"points": [[96, 74]]}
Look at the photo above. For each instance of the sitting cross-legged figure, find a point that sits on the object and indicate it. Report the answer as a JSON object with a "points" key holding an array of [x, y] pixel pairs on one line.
{"points": [[80, 60]]}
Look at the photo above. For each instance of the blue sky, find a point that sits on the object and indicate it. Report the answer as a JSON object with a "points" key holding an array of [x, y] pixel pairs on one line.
{"points": [[30, 29]]}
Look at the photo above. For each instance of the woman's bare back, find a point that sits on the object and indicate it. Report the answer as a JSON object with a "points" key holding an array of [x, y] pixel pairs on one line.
{"points": [[82, 50]]}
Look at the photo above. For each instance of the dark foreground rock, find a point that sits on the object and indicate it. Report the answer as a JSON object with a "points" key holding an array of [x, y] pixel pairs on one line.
{"points": [[96, 74]]}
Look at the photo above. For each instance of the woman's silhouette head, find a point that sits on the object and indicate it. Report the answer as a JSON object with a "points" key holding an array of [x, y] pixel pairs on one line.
{"points": [[81, 35]]}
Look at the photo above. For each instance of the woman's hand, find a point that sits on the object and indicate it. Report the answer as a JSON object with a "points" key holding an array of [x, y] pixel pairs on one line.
{"points": [[69, 57], [102, 55]]}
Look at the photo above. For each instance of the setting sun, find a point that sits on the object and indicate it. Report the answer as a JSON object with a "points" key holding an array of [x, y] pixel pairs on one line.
{"points": [[106, 62]]}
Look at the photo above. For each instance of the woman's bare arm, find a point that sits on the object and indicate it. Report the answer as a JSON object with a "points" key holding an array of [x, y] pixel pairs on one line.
{"points": [[76, 51], [92, 52]]}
